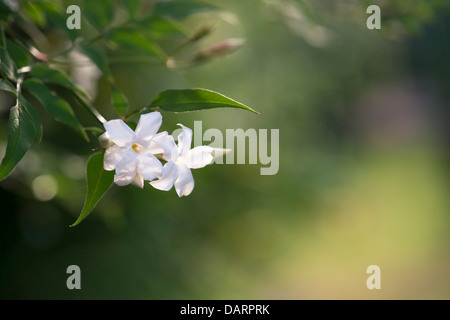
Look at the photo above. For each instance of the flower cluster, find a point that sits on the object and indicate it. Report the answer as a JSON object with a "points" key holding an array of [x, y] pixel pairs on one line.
{"points": [[132, 154]]}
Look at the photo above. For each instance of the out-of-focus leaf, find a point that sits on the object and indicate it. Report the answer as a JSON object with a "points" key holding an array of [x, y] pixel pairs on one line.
{"points": [[181, 10], [97, 57], [57, 20], [130, 39], [49, 75], [34, 13], [193, 100], [162, 26], [133, 7], [119, 101], [2, 37], [5, 12], [98, 182], [100, 14], [20, 139], [21, 56], [54, 105]]}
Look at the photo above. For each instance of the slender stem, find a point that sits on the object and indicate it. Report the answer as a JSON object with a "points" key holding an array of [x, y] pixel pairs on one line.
{"points": [[19, 87], [91, 110]]}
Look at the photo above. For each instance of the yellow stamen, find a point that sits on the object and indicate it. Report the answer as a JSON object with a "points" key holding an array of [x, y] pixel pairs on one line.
{"points": [[136, 148]]}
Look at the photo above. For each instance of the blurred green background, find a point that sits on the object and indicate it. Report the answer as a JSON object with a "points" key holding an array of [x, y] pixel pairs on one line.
{"points": [[364, 162]]}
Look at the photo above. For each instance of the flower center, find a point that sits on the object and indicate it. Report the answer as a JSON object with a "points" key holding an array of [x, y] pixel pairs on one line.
{"points": [[137, 148]]}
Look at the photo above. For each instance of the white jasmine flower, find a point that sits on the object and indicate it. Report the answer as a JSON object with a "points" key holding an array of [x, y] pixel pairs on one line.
{"points": [[181, 159], [131, 153]]}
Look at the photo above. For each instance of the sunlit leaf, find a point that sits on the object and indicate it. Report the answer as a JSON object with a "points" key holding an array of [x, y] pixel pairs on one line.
{"points": [[54, 105], [20, 139], [34, 13], [130, 39], [193, 100], [98, 182]]}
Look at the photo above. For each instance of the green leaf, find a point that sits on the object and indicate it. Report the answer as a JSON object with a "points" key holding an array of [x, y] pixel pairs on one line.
{"points": [[20, 139], [98, 182], [100, 14], [182, 10], [161, 26], [34, 13], [33, 114], [54, 105], [193, 100], [98, 58], [76, 101], [49, 75], [5, 12], [2, 37], [119, 101], [5, 85], [130, 39], [7, 64], [21, 56], [132, 7]]}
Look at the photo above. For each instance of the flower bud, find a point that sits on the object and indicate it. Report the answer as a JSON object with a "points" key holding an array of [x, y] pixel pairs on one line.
{"points": [[104, 140]]}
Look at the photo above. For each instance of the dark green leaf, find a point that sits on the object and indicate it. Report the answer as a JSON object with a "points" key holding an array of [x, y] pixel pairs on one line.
{"points": [[5, 85], [7, 64], [193, 100], [100, 14], [119, 101], [33, 114], [49, 75], [76, 101], [2, 37], [55, 106], [133, 7], [98, 58], [21, 56], [20, 139], [5, 12], [98, 182], [181, 10]]}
